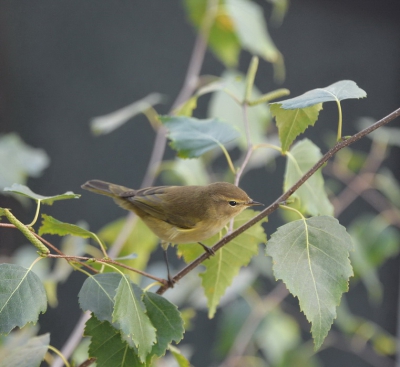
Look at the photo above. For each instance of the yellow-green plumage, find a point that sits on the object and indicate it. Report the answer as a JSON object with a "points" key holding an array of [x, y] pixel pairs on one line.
{"points": [[179, 214]]}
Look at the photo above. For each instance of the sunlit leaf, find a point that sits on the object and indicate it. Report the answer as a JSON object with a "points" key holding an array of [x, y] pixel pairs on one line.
{"points": [[167, 320], [227, 261], [191, 137], [311, 256], [344, 89], [107, 123], [51, 225], [31, 354], [130, 314], [18, 160], [312, 195], [26, 191], [107, 346], [292, 123], [22, 297]]}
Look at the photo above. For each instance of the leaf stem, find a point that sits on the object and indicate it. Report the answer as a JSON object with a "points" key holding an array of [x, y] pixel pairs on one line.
{"points": [[228, 157], [293, 210], [151, 285], [55, 350], [251, 75], [102, 247], [266, 98], [275, 205], [36, 214], [267, 145], [339, 132], [249, 151]]}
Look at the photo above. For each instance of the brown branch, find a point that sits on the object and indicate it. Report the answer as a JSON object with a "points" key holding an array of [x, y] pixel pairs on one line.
{"points": [[271, 208], [88, 362], [107, 261]]}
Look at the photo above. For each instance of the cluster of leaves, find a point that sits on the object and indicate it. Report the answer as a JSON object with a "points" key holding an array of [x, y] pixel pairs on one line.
{"points": [[129, 325], [310, 255]]}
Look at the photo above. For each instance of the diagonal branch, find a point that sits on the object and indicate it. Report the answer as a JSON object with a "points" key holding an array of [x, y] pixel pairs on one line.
{"points": [[271, 208]]}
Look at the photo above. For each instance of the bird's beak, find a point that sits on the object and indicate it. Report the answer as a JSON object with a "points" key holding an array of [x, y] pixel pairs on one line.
{"points": [[252, 202]]}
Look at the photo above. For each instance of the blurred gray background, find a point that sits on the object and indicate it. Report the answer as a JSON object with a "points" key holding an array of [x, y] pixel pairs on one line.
{"points": [[64, 62]]}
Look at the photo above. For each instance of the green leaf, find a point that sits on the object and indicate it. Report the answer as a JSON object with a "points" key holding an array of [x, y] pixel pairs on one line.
{"points": [[51, 225], [179, 357], [311, 256], [142, 241], [130, 314], [344, 89], [167, 320], [191, 137], [22, 297], [249, 23], [312, 196], [97, 295], [49, 200], [18, 160], [292, 123], [107, 347], [222, 38], [225, 108], [227, 261], [112, 121], [31, 354]]}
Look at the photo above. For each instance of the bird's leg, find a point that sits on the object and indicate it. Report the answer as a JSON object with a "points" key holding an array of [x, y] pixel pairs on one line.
{"points": [[207, 249], [164, 245]]}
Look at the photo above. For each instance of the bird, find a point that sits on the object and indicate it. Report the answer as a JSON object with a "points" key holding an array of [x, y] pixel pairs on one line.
{"points": [[179, 214]]}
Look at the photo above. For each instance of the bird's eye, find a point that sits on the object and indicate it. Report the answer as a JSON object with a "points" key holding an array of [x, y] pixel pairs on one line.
{"points": [[232, 203]]}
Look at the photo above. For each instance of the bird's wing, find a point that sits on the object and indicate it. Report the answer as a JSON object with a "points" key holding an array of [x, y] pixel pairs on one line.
{"points": [[152, 202]]}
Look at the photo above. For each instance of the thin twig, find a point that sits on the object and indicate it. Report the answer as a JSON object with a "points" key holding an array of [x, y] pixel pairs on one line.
{"points": [[271, 208], [108, 261], [88, 362]]}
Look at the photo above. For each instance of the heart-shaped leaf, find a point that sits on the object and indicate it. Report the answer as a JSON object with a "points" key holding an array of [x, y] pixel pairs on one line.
{"points": [[191, 137], [22, 297], [344, 89], [311, 256]]}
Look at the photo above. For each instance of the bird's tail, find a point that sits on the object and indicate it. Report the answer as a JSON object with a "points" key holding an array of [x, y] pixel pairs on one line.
{"points": [[109, 189]]}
